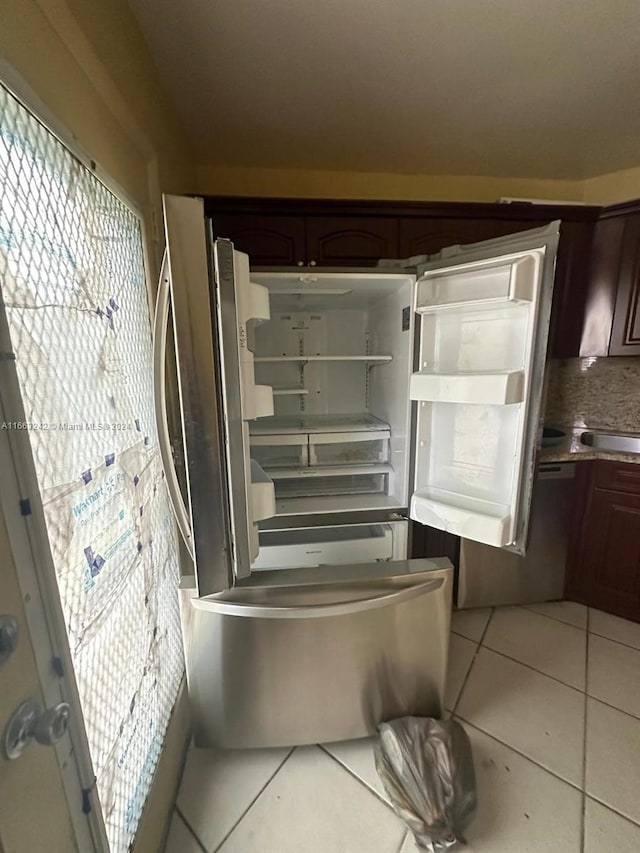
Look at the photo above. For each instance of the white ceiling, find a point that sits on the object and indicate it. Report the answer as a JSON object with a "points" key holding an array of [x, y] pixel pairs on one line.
{"points": [[522, 88]]}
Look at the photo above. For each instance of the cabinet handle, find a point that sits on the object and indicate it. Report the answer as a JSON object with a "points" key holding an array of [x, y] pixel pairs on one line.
{"points": [[312, 263], [300, 263]]}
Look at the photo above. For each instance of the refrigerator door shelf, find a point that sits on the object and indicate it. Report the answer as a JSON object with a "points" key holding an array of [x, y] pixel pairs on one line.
{"points": [[500, 388], [263, 501], [484, 283], [344, 648], [482, 521], [252, 303]]}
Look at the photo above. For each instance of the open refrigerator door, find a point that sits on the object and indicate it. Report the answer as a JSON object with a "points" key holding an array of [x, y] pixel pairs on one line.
{"points": [[484, 319], [213, 305]]}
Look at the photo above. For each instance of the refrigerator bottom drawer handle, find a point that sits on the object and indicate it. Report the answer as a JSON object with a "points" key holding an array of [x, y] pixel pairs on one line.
{"points": [[315, 611]]}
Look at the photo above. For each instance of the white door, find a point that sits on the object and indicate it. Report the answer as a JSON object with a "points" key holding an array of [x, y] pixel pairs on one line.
{"points": [[484, 318], [49, 779]]}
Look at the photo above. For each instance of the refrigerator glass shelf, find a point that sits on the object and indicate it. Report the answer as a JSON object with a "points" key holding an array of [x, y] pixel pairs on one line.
{"points": [[282, 424], [368, 358], [305, 472], [283, 392]]}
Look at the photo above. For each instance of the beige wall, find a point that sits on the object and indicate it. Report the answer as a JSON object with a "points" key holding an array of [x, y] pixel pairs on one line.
{"points": [[614, 187], [86, 61], [290, 183]]}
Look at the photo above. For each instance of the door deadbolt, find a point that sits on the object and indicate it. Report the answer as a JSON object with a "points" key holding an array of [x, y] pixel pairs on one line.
{"points": [[8, 637], [29, 722]]}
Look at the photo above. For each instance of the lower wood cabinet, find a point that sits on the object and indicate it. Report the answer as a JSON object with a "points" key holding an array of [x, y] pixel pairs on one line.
{"points": [[603, 567]]}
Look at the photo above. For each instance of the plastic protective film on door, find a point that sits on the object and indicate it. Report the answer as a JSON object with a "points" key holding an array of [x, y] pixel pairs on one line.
{"points": [[77, 315]]}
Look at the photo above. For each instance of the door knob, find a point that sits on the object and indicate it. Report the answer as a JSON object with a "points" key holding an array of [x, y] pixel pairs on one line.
{"points": [[29, 722], [8, 636], [299, 263]]}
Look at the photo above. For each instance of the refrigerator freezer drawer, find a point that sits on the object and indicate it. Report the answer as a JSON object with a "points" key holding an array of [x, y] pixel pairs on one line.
{"points": [[317, 655], [355, 543]]}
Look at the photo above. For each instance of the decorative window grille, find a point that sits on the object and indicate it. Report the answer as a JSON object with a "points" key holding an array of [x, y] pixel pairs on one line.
{"points": [[72, 279]]}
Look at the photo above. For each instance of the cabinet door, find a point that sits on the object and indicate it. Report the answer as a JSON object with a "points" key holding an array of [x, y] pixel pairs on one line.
{"points": [[269, 241], [351, 241], [425, 236], [600, 286], [568, 309], [625, 334], [604, 559]]}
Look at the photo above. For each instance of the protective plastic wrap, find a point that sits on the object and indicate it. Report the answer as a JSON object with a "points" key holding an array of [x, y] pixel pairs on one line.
{"points": [[426, 768], [74, 290]]}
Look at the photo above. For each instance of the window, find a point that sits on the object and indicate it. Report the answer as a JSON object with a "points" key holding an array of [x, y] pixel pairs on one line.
{"points": [[74, 296]]}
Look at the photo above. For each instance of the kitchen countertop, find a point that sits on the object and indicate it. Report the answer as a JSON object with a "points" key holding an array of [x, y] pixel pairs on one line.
{"points": [[571, 449]]}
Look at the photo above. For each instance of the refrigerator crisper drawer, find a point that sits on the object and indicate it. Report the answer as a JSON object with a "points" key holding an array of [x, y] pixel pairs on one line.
{"points": [[317, 655], [280, 451], [317, 482], [349, 448], [317, 546]]}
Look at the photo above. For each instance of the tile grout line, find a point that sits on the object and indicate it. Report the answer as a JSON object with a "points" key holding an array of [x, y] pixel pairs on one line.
{"points": [[190, 829], [345, 767], [533, 669], [583, 826], [559, 680], [531, 609], [617, 642], [612, 809], [613, 707], [574, 785], [473, 660], [404, 838], [256, 798]]}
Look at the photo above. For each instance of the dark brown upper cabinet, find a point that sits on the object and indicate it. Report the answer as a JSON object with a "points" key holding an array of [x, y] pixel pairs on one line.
{"points": [[298, 232], [612, 312], [625, 330], [570, 288], [351, 241], [426, 236], [270, 241]]}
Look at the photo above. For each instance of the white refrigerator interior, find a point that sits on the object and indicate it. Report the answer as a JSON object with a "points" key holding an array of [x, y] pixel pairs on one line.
{"points": [[321, 411]]}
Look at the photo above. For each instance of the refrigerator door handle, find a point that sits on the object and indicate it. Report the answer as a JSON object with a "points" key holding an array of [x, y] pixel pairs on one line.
{"points": [[315, 611], [160, 398]]}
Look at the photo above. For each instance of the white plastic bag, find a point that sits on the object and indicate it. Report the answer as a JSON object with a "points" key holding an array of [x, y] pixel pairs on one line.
{"points": [[426, 768]]}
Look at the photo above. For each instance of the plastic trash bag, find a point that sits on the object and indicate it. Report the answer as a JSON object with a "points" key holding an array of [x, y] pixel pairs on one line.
{"points": [[426, 768]]}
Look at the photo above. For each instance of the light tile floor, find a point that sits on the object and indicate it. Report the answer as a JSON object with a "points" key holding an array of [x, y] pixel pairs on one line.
{"points": [[550, 697]]}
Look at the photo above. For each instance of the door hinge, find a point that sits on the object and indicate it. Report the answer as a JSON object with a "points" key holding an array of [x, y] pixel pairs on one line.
{"points": [[58, 666], [25, 506]]}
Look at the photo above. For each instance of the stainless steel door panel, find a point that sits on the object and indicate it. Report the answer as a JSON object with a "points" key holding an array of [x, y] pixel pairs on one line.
{"points": [[492, 576], [283, 662], [200, 389]]}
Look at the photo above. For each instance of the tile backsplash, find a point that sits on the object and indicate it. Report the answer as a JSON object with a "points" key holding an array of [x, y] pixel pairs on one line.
{"points": [[599, 393]]}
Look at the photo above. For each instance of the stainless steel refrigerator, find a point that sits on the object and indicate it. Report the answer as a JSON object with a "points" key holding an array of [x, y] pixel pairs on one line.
{"points": [[321, 410]]}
